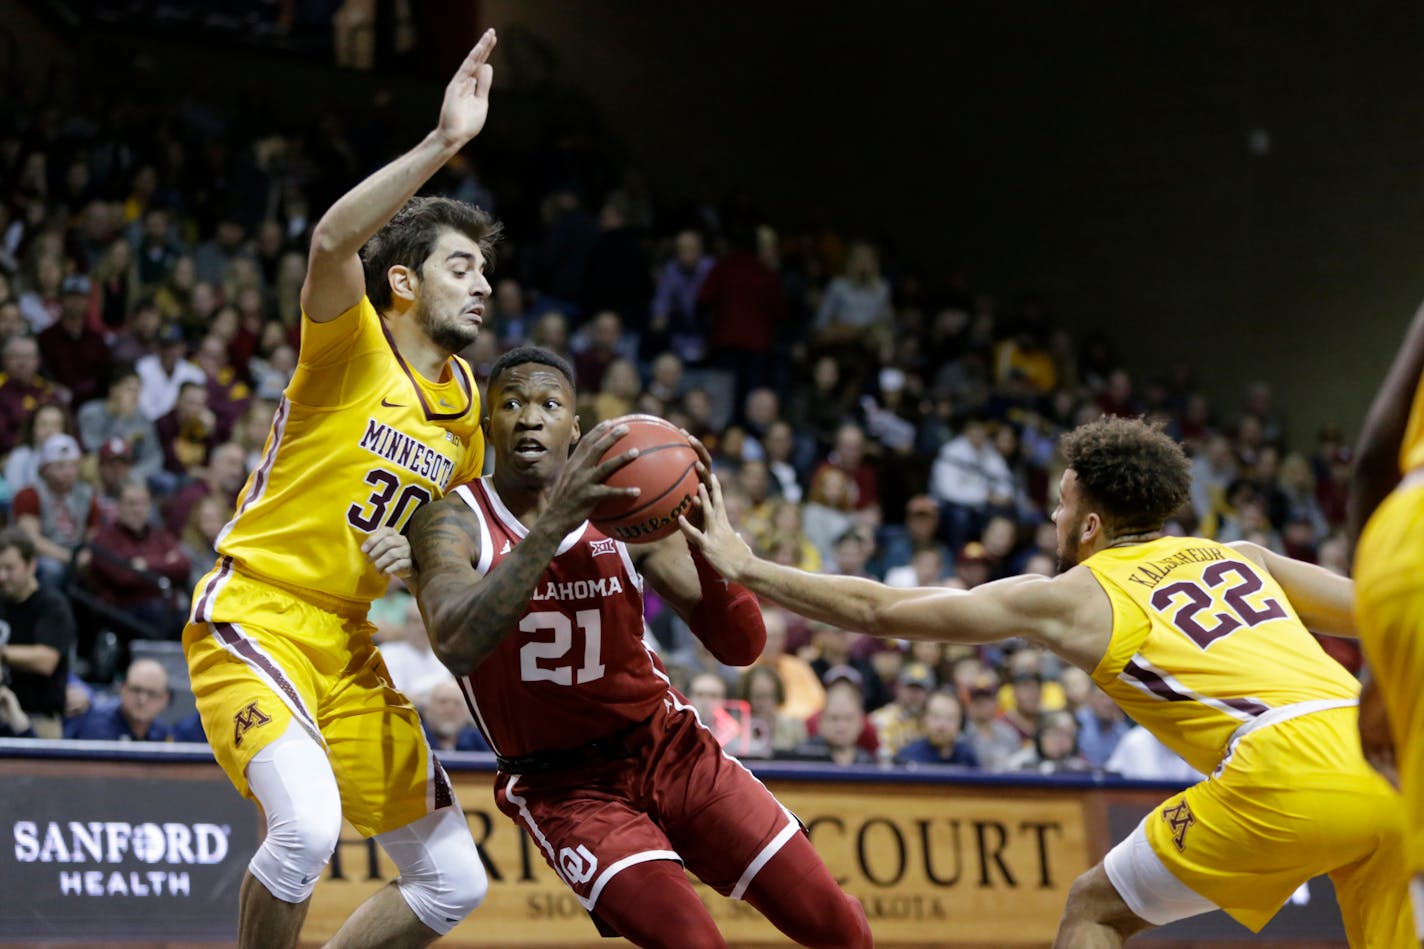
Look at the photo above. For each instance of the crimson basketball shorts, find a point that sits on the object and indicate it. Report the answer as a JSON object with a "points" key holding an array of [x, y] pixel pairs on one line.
{"points": [[678, 797]]}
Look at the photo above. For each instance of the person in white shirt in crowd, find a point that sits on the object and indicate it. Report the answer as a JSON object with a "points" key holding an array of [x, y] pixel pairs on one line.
{"points": [[162, 374], [1141, 756], [413, 665], [969, 479]]}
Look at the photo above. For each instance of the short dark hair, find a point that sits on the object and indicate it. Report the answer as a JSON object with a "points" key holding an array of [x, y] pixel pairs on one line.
{"points": [[527, 354], [1131, 469], [410, 236], [13, 537], [753, 673]]}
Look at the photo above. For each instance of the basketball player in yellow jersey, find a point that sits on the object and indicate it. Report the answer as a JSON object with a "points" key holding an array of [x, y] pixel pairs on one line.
{"points": [[379, 418], [1204, 644], [1387, 490]]}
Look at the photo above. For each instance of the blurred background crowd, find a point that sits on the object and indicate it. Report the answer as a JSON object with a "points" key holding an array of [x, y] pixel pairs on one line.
{"points": [[865, 419]]}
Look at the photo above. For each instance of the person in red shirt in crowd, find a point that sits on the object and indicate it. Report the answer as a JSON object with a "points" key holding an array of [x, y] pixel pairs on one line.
{"points": [[744, 301], [222, 479], [849, 456], [22, 389], [115, 471], [188, 433], [75, 354], [136, 565], [228, 394], [58, 509]]}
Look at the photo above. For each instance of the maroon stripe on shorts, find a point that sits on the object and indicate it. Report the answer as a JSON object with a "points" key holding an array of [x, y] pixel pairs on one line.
{"points": [[200, 615], [229, 635]]}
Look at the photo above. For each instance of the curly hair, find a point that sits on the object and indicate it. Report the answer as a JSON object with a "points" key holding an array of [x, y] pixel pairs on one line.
{"points": [[410, 237], [1131, 469]]}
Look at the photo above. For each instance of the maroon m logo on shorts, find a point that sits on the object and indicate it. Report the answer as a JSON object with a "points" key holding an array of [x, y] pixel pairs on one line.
{"points": [[249, 717], [1179, 818]]}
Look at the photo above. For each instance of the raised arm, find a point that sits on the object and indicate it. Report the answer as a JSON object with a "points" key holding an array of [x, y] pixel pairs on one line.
{"points": [[335, 281], [1324, 601], [466, 615], [1377, 452]]}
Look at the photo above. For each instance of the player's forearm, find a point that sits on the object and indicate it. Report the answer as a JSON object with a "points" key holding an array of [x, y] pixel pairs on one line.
{"points": [[467, 623], [847, 602], [363, 210], [35, 658], [1376, 469]]}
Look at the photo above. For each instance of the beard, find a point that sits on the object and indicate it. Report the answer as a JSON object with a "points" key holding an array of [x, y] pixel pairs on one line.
{"points": [[1068, 550], [447, 333]]}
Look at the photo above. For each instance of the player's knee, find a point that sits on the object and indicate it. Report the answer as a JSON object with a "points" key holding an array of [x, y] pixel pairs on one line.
{"points": [[297, 847], [441, 875]]}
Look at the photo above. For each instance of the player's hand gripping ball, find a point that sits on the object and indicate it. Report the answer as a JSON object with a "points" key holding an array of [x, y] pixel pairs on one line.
{"points": [[665, 472]]}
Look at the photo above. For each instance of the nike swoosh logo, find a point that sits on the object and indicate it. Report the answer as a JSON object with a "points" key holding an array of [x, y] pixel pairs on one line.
{"points": [[392, 405]]}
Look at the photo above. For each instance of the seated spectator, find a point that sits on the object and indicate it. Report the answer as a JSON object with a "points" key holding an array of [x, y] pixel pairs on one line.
{"points": [[117, 416], [58, 509], [14, 723], [115, 471], [784, 531], [901, 722], [22, 389], [1139, 755], [137, 567], [674, 322], [142, 697], [200, 536], [617, 392], [141, 337], [827, 512], [831, 649], [1101, 726], [162, 374], [846, 677], [920, 533], [848, 455], [1025, 667], [970, 480], [221, 479], [227, 392], [708, 695], [1054, 747], [41, 637], [994, 740], [779, 446], [74, 353], [925, 569], [805, 695], [773, 731], [22, 468], [189, 432], [448, 726], [413, 666], [841, 727], [943, 742]]}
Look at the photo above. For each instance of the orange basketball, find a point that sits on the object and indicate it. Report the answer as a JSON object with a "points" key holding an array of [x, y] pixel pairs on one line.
{"points": [[665, 471]]}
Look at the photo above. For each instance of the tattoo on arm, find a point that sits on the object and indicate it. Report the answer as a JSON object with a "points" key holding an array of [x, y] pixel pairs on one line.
{"points": [[466, 615]]}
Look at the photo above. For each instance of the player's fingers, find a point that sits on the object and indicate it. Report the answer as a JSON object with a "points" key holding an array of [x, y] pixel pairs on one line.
{"points": [[714, 490], [479, 53], [484, 78], [703, 455], [611, 465], [693, 535]]}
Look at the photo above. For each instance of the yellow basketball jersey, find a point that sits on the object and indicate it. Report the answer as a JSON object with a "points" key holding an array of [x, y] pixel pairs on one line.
{"points": [[359, 440], [1411, 450], [1203, 642]]}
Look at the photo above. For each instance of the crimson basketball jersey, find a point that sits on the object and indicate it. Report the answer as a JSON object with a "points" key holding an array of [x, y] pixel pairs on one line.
{"points": [[575, 668]]}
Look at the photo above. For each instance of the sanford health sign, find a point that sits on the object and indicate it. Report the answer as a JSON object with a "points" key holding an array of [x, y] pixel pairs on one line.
{"points": [[933, 865], [89, 856]]}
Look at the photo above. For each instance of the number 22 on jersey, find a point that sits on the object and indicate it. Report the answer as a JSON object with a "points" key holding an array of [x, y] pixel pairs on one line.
{"points": [[1226, 599]]}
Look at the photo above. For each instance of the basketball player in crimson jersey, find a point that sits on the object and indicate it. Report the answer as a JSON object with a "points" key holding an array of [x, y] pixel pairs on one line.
{"points": [[601, 761]]}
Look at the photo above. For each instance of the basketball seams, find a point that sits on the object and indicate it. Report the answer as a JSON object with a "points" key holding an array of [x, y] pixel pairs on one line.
{"points": [[648, 470], [633, 511]]}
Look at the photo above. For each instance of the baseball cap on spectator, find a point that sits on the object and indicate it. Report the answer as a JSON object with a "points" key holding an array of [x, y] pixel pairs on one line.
{"points": [[60, 447], [115, 449], [917, 673], [984, 687], [75, 283], [843, 672]]}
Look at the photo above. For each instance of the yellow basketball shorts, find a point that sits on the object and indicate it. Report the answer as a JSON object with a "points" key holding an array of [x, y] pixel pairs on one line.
{"points": [[262, 658], [1294, 800], [1389, 612]]}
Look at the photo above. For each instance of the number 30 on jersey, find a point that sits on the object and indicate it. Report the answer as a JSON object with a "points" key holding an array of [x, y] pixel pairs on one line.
{"points": [[385, 506]]}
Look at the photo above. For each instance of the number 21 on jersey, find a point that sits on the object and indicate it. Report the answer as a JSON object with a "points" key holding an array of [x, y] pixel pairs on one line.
{"points": [[548, 660], [1227, 598]]}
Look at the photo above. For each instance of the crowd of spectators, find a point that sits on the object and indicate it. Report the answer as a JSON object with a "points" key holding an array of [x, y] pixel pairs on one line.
{"points": [[865, 420]]}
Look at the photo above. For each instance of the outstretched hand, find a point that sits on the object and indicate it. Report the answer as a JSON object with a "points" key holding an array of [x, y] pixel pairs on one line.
{"points": [[1375, 738], [580, 487], [718, 543], [466, 104], [389, 552]]}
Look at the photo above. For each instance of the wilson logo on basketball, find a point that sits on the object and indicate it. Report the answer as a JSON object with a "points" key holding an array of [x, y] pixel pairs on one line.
{"points": [[656, 524], [1179, 818], [249, 717]]}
